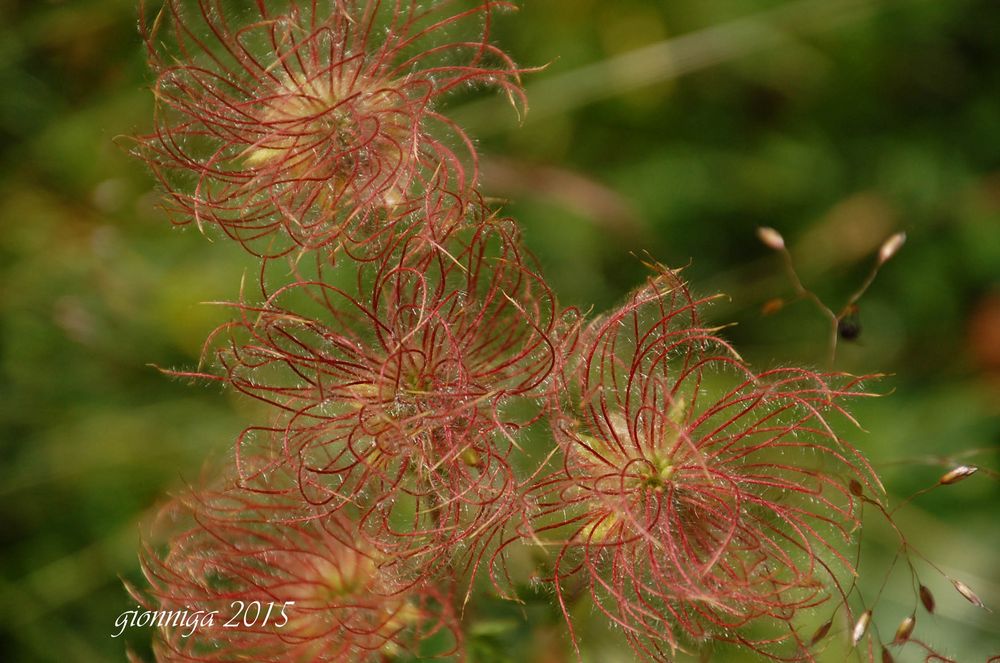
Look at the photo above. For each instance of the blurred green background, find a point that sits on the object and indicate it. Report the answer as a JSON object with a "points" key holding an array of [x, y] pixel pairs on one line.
{"points": [[669, 126]]}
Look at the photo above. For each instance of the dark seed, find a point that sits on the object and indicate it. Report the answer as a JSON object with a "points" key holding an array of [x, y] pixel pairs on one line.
{"points": [[820, 633], [927, 599]]}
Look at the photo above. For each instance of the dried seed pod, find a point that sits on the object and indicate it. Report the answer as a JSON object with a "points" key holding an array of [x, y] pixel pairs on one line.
{"points": [[968, 594], [821, 632], [960, 473], [927, 599], [891, 246], [861, 627], [856, 488], [886, 656], [771, 238], [905, 629]]}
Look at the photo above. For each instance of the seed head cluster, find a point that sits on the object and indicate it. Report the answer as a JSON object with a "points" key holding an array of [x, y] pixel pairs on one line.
{"points": [[428, 406]]}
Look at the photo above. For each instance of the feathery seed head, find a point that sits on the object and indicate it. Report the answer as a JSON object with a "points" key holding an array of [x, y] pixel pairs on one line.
{"points": [[314, 120]]}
